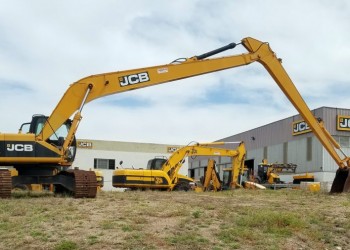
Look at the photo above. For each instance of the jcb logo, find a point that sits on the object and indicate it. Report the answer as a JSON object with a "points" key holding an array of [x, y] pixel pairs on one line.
{"points": [[172, 149], [158, 180], [343, 123], [84, 144], [300, 127], [19, 147], [133, 79]]}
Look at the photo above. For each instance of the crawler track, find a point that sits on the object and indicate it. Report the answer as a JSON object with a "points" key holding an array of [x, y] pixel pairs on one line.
{"points": [[85, 184], [5, 183]]}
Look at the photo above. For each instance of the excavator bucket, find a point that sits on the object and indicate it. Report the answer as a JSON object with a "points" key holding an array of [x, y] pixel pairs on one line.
{"points": [[341, 181]]}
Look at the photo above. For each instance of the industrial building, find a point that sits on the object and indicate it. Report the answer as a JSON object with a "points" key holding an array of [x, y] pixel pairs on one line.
{"points": [[288, 140], [107, 156]]}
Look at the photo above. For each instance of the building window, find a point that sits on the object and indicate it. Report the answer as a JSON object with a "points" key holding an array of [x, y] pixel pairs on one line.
{"points": [[344, 141], [309, 149], [285, 152], [104, 163]]}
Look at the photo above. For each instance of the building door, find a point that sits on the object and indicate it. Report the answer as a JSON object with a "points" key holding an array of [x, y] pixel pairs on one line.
{"points": [[250, 166]]}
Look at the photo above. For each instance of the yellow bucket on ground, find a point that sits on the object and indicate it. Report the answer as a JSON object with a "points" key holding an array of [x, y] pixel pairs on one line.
{"points": [[310, 186]]}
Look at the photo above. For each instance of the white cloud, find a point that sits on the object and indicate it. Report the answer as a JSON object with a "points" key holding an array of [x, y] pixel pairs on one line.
{"points": [[45, 46]]}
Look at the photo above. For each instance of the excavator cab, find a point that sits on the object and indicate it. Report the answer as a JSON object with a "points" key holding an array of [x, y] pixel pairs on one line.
{"points": [[264, 174], [156, 163], [268, 173], [226, 179], [57, 138], [35, 126]]}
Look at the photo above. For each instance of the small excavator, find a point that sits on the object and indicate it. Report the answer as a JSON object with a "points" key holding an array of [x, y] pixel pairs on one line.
{"points": [[162, 174], [44, 153]]}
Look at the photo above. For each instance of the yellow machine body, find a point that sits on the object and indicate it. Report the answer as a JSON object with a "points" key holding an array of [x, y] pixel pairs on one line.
{"points": [[145, 179], [307, 177]]}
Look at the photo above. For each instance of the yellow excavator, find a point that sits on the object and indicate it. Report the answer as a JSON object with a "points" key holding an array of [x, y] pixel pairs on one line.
{"points": [[163, 173], [44, 153]]}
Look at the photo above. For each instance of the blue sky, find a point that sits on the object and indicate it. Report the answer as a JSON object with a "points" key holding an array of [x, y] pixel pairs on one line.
{"points": [[47, 45]]}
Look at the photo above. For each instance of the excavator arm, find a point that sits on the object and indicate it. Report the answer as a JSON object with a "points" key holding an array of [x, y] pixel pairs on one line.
{"points": [[273, 65], [175, 161], [96, 86]]}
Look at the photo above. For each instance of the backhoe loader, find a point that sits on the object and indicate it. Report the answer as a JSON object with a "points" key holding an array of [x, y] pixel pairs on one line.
{"points": [[232, 177], [211, 179], [45, 154], [235, 176], [163, 174]]}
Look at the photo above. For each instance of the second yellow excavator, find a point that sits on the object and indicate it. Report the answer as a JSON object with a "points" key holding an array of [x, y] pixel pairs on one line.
{"points": [[163, 173]]}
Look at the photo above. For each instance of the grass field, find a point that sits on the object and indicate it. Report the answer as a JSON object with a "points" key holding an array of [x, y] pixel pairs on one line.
{"points": [[239, 219]]}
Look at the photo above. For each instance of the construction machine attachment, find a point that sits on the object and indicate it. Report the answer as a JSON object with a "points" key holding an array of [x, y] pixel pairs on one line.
{"points": [[341, 181], [5, 183]]}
